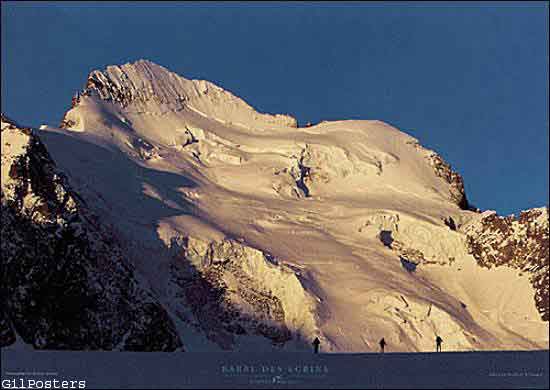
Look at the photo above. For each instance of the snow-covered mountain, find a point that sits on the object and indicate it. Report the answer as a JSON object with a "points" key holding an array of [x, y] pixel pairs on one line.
{"points": [[246, 232]]}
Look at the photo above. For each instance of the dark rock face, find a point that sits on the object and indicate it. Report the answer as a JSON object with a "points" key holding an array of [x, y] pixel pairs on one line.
{"points": [[224, 301], [521, 243], [7, 335], [450, 222], [65, 283], [304, 177], [102, 86], [444, 170]]}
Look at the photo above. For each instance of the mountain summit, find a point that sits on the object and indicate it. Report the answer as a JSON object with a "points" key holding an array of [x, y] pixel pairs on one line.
{"points": [[148, 87], [252, 233]]}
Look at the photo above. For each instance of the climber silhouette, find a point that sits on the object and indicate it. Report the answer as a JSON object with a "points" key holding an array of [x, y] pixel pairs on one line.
{"points": [[438, 341], [316, 344], [382, 345]]}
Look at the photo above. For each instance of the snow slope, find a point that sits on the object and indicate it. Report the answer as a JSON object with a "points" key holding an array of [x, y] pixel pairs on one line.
{"points": [[257, 234]]}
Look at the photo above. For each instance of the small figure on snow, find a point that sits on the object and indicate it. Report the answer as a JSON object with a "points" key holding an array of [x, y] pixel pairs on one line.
{"points": [[316, 344], [382, 345], [438, 342]]}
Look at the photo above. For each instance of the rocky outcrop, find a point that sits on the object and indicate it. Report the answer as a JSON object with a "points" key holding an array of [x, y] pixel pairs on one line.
{"points": [[7, 335], [444, 170], [234, 290], [302, 174], [65, 281], [520, 243]]}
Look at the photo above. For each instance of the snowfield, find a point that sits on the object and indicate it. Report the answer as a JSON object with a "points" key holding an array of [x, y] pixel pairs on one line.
{"points": [[339, 231]]}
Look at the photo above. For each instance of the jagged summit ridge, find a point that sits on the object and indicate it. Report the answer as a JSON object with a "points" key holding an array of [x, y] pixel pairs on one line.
{"points": [[148, 87]]}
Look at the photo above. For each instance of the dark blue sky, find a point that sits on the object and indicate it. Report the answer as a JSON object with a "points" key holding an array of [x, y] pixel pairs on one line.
{"points": [[468, 80]]}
